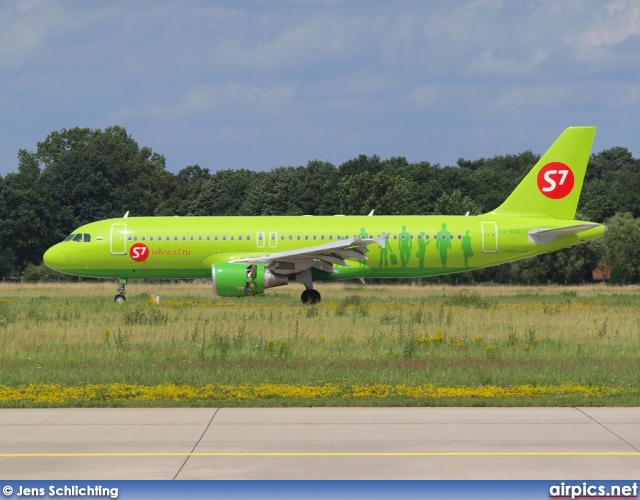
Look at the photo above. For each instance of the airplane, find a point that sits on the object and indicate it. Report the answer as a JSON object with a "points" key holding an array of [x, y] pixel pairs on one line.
{"points": [[243, 256]]}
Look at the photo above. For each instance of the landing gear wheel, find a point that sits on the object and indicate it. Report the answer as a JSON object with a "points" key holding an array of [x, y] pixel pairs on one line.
{"points": [[310, 297], [120, 298]]}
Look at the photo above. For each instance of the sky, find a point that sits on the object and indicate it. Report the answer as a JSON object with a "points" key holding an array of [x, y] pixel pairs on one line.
{"points": [[259, 84]]}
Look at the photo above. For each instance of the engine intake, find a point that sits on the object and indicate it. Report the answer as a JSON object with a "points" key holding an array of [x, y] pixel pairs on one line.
{"points": [[240, 280]]}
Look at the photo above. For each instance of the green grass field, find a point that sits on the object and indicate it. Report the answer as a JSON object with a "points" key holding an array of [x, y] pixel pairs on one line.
{"points": [[70, 345]]}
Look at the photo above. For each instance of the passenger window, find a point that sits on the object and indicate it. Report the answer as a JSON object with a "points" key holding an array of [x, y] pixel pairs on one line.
{"points": [[282, 237], [70, 237], [215, 237], [314, 236], [248, 237], [290, 237], [144, 238], [298, 237], [232, 238], [150, 238], [330, 236], [87, 238], [192, 238], [184, 238], [224, 238], [128, 237], [240, 237], [135, 238], [322, 236], [78, 237], [208, 238], [175, 238], [306, 236]]}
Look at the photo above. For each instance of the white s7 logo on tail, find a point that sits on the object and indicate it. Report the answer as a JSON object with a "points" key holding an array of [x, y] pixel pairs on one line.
{"points": [[552, 183]]}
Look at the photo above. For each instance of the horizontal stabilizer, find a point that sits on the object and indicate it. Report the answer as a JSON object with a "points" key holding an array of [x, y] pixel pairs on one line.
{"points": [[543, 236]]}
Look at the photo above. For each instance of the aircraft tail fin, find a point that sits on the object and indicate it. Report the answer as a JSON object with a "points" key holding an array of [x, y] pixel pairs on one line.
{"points": [[552, 187]]}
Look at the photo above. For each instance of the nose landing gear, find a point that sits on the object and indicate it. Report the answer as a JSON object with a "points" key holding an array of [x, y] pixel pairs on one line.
{"points": [[120, 298]]}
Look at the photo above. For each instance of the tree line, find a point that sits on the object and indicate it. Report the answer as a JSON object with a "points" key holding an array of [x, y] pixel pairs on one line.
{"points": [[81, 175]]}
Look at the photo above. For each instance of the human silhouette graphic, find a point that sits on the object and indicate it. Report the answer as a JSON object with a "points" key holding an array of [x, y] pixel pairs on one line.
{"points": [[443, 244], [404, 245], [383, 255], [467, 251], [422, 249]]}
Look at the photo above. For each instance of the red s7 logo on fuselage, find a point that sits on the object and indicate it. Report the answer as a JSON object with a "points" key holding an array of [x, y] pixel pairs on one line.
{"points": [[139, 252], [555, 180]]}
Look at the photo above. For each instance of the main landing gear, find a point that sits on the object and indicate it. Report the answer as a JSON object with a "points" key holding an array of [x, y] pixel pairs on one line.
{"points": [[120, 298], [310, 296]]}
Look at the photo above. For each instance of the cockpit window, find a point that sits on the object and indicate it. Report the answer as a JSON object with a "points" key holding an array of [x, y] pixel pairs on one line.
{"points": [[79, 237]]}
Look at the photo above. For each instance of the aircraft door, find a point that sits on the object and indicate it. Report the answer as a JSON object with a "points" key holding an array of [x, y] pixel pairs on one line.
{"points": [[273, 240], [118, 244], [489, 237], [260, 240]]}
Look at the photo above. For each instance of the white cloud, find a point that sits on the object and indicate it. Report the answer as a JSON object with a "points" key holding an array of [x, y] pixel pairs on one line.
{"points": [[622, 21], [488, 63], [23, 28], [427, 95], [302, 43], [225, 100]]}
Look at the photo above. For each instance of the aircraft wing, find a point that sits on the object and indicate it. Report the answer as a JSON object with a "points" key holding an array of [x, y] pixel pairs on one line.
{"points": [[542, 236], [321, 257]]}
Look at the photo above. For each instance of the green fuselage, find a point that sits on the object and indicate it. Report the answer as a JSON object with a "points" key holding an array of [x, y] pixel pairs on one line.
{"points": [[186, 247]]}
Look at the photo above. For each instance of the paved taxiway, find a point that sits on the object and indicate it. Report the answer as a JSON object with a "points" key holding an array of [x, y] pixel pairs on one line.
{"points": [[320, 443]]}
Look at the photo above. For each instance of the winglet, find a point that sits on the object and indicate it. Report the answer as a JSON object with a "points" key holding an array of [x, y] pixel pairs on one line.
{"points": [[382, 240]]}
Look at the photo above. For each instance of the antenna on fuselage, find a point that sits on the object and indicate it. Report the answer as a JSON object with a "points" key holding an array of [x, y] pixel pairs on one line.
{"points": [[371, 213], [126, 215]]}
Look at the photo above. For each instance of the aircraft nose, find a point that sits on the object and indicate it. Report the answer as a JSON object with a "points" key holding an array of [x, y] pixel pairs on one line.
{"points": [[52, 257]]}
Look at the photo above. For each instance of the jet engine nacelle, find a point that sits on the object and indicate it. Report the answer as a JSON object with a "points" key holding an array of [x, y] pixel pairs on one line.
{"points": [[240, 280]]}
